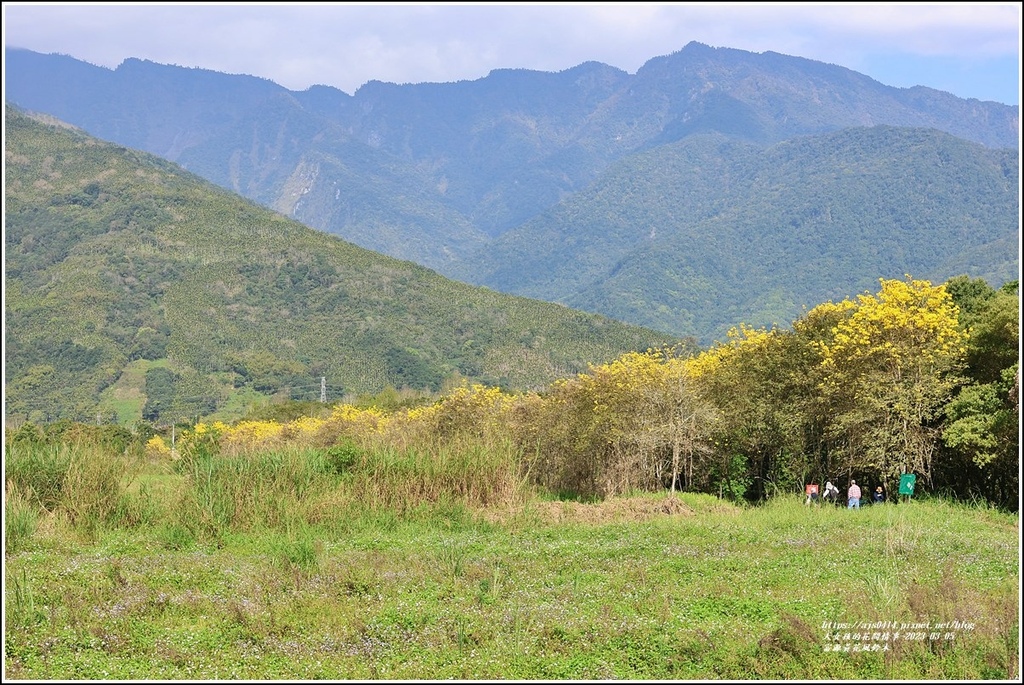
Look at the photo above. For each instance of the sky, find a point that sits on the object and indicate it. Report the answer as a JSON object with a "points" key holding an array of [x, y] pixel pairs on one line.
{"points": [[972, 50]]}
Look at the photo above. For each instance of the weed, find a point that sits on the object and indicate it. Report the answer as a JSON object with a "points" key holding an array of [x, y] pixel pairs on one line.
{"points": [[175, 536], [114, 572], [138, 509], [299, 553], [791, 642], [490, 588], [20, 609], [451, 559], [357, 581], [20, 519], [885, 591]]}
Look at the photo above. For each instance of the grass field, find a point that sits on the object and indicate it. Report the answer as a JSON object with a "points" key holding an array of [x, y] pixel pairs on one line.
{"points": [[646, 587]]}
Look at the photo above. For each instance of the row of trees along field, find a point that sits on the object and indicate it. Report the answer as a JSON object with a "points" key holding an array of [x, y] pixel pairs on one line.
{"points": [[916, 378]]}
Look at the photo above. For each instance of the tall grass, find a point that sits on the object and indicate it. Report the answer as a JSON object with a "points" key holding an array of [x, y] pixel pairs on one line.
{"points": [[20, 608], [86, 483], [215, 493], [276, 488], [21, 518], [266, 489], [467, 473], [38, 471], [94, 486]]}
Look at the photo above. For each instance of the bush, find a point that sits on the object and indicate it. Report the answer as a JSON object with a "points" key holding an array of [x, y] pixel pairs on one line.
{"points": [[340, 458]]}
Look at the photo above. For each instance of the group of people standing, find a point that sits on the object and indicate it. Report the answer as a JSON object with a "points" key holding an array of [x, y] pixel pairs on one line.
{"points": [[853, 495]]}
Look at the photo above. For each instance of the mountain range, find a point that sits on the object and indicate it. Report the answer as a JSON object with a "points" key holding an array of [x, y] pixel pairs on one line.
{"points": [[712, 187], [134, 289]]}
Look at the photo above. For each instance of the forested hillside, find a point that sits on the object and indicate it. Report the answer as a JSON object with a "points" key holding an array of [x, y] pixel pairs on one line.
{"points": [[707, 232], [448, 174], [134, 289]]}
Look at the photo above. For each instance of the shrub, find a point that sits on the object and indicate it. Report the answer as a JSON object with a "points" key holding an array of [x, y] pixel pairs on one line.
{"points": [[340, 458]]}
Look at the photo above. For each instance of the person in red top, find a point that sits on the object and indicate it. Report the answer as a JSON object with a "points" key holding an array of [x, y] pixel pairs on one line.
{"points": [[853, 495]]}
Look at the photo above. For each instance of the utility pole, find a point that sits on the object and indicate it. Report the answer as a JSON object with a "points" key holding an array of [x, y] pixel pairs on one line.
{"points": [[323, 389]]}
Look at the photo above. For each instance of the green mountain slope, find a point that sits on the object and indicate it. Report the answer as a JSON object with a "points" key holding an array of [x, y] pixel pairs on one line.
{"points": [[135, 288], [696, 236]]}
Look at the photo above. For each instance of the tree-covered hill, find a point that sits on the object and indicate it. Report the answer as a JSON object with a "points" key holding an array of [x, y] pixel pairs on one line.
{"points": [[704, 233], [134, 288]]}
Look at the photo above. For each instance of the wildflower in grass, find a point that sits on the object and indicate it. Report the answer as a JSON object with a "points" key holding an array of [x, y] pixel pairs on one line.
{"points": [[157, 448]]}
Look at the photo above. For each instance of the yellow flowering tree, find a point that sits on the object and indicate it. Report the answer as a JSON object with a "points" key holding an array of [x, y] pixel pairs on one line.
{"points": [[635, 423], [813, 333], [683, 418], [622, 427], [887, 369]]}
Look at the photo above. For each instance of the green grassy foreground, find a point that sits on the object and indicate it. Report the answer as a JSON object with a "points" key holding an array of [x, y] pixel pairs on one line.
{"points": [[650, 587]]}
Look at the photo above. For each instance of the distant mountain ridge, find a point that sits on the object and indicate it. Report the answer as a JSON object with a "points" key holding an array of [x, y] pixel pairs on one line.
{"points": [[447, 175]]}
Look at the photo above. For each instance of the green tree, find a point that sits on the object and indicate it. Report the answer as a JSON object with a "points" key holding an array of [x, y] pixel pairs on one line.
{"points": [[758, 380], [981, 433], [159, 394]]}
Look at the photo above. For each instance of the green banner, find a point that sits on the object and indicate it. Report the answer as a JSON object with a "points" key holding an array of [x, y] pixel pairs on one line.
{"points": [[907, 481]]}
